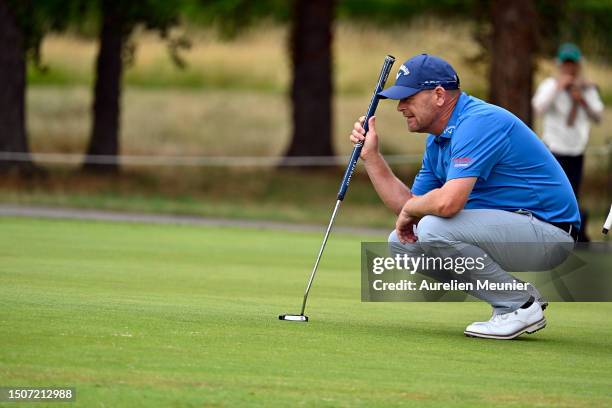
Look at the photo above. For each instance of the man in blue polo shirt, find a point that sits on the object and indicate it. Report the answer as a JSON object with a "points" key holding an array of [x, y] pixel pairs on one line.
{"points": [[486, 180]]}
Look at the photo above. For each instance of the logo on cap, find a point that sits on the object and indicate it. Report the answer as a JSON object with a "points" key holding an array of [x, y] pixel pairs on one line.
{"points": [[403, 70], [419, 73]]}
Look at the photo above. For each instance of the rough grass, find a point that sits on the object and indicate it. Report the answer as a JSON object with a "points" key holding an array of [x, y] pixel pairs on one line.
{"points": [[147, 316], [286, 195]]}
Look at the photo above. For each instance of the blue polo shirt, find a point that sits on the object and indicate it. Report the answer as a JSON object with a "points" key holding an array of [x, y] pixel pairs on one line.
{"points": [[515, 170]]}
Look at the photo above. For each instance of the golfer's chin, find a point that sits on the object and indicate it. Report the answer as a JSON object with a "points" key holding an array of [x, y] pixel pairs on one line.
{"points": [[413, 125]]}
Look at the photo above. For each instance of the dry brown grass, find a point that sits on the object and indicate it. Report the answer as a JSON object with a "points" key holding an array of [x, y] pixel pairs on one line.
{"points": [[208, 122], [203, 116], [258, 58]]}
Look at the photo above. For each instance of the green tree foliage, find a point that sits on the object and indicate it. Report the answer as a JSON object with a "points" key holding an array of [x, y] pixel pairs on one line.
{"points": [[36, 18], [229, 17], [402, 11], [585, 22]]}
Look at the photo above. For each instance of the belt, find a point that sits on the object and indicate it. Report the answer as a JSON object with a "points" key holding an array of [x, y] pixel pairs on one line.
{"points": [[567, 227]]}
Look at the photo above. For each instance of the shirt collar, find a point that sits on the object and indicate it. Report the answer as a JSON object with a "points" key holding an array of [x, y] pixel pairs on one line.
{"points": [[448, 131]]}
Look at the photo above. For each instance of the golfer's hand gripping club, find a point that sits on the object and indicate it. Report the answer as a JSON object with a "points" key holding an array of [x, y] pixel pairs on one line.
{"points": [[346, 179], [382, 78]]}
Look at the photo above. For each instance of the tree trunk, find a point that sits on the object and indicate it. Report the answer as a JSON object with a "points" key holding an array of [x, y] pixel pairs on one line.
{"points": [[107, 92], [513, 44], [13, 138], [311, 90]]}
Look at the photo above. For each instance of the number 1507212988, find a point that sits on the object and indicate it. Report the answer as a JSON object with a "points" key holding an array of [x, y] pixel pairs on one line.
{"points": [[37, 394]]}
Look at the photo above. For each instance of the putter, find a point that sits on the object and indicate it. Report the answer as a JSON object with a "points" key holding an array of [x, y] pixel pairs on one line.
{"points": [[348, 173]]}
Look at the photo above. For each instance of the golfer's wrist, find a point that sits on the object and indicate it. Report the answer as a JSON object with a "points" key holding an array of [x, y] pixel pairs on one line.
{"points": [[373, 158]]}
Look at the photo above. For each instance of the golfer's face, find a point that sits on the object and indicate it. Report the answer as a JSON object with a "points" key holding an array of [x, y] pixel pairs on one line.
{"points": [[419, 111]]}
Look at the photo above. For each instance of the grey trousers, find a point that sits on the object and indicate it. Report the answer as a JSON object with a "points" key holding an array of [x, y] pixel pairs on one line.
{"points": [[507, 241]]}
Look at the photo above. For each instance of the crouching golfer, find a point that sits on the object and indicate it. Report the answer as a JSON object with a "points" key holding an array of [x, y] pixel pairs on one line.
{"points": [[486, 180]]}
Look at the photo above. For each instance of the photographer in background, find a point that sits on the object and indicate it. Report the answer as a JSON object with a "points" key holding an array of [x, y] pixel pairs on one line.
{"points": [[568, 104]]}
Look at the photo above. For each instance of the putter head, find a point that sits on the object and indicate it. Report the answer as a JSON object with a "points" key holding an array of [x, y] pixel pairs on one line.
{"points": [[293, 318]]}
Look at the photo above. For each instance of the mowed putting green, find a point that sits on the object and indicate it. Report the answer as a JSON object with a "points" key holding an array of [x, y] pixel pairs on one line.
{"points": [[158, 315]]}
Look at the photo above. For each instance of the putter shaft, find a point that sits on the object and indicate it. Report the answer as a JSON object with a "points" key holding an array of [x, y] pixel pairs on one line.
{"points": [[346, 179], [316, 265]]}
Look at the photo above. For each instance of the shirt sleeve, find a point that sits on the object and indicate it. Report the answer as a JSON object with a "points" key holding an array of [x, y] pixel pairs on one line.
{"points": [[592, 98], [477, 146], [425, 180], [544, 96]]}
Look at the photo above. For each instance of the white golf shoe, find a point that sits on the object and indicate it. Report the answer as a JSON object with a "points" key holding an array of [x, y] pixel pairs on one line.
{"points": [[509, 325]]}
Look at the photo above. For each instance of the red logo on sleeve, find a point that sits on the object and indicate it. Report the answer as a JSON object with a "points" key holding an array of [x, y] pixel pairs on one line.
{"points": [[462, 161]]}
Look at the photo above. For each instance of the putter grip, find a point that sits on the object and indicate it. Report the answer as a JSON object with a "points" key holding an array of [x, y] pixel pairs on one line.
{"points": [[350, 168]]}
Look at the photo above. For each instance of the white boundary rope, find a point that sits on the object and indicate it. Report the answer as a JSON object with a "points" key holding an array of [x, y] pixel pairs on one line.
{"points": [[219, 161], [194, 161]]}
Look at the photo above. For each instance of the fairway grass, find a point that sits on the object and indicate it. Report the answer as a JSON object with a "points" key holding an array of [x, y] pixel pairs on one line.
{"points": [[148, 315]]}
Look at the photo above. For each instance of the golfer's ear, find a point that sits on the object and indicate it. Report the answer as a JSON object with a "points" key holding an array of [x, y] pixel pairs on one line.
{"points": [[440, 95]]}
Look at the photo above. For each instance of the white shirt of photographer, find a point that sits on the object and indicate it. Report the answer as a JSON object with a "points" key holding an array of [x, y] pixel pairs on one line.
{"points": [[555, 105]]}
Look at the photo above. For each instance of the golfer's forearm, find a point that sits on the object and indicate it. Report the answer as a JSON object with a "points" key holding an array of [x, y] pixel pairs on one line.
{"points": [[390, 189], [431, 203], [435, 202]]}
